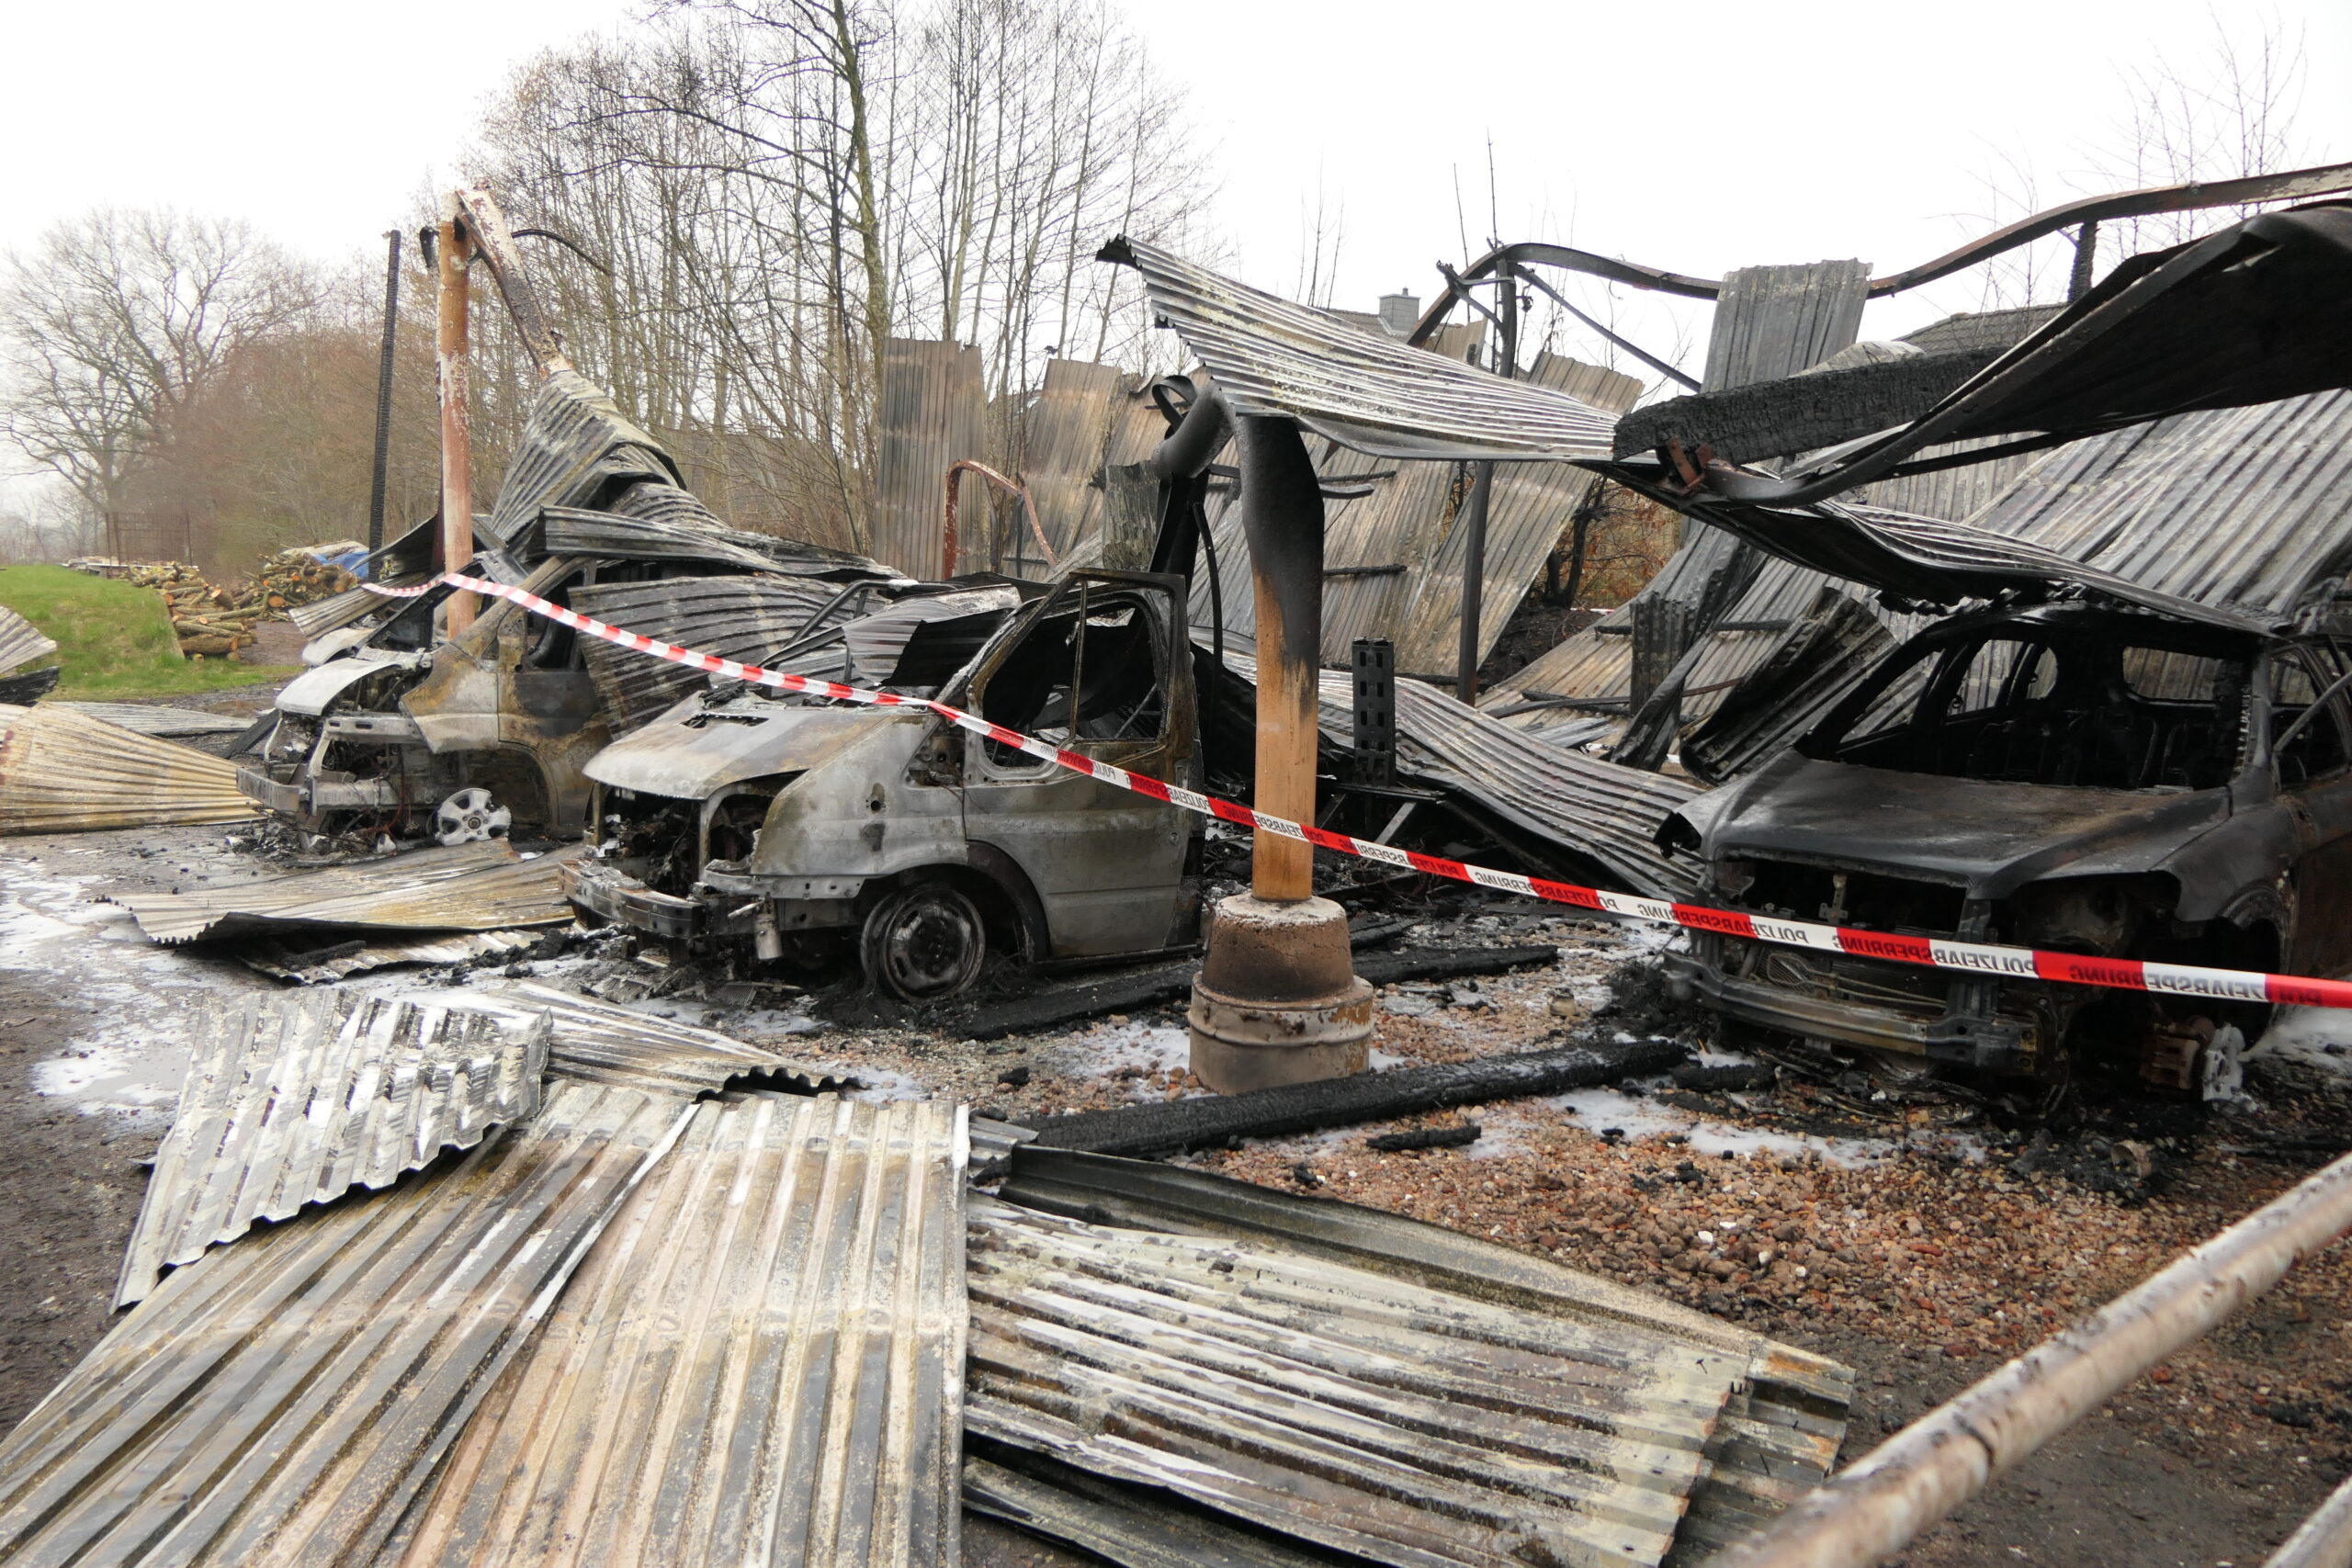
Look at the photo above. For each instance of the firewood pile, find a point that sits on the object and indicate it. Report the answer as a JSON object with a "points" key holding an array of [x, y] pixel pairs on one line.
{"points": [[213, 623]]}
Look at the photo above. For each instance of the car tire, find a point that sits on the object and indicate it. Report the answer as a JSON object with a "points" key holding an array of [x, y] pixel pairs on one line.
{"points": [[925, 942]]}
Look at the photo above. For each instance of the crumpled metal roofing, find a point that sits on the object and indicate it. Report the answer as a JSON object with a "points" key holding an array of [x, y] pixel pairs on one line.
{"points": [[1136, 1526], [759, 1362], [320, 964], [1271, 356], [1778, 1435], [599, 1043], [661, 522], [576, 448], [2247, 511], [476, 886], [1403, 1422], [156, 718], [62, 772], [291, 1101], [283, 1402], [1601, 814], [1393, 558], [742, 618], [21, 642]]}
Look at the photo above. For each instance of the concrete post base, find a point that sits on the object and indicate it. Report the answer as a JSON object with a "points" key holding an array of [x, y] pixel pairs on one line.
{"points": [[1277, 999]]}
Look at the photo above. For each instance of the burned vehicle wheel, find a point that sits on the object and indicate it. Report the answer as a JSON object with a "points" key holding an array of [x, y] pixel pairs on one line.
{"points": [[470, 816], [925, 942]]}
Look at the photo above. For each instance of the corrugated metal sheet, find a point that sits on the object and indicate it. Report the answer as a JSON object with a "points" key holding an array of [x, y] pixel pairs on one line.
{"points": [[153, 718], [1394, 559], [1136, 1526], [322, 964], [761, 1361], [743, 618], [1064, 436], [21, 642], [1954, 494], [478, 886], [1400, 1421], [933, 412], [1528, 511], [577, 448], [1779, 1434], [284, 1401], [1983, 329], [598, 1042], [1271, 356], [1598, 813], [62, 772], [656, 521], [1831, 645], [1771, 321], [2248, 511], [291, 1101]]}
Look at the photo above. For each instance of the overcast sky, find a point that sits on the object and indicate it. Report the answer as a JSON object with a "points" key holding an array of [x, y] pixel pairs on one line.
{"points": [[1696, 137]]}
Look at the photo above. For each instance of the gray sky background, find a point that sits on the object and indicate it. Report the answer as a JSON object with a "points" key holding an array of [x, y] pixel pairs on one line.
{"points": [[1697, 138]]}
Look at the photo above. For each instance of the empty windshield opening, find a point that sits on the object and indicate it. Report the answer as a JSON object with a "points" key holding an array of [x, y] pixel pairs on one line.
{"points": [[2062, 705], [1106, 649]]}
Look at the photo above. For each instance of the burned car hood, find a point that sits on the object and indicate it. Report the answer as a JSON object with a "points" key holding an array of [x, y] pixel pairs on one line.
{"points": [[699, 748], [1992, 837], [310, 692]]}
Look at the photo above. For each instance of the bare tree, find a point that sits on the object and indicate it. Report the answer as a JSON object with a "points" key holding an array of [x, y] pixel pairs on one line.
{"points": [[114, 320], [2229, 113]]}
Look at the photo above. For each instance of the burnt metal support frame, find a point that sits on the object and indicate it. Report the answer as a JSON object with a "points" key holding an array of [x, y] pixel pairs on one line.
{"points": [[375, 478], [1473, 519], [1282, 515]]}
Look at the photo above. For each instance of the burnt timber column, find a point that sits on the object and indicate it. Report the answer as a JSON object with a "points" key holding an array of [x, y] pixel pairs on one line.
{"points": [[457, 416], [1277, 999]]}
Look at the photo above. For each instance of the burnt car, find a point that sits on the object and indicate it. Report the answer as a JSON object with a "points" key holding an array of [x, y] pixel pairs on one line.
{"points": [[810, 830], [403, 731], [2064, 777]]}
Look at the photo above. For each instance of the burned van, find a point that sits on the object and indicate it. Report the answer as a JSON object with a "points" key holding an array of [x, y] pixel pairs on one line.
{"points": [[2061, 776], [809, 829]]}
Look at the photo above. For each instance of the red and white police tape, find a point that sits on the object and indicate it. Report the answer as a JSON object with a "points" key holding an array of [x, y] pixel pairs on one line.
{"points": [[1976, 958]]}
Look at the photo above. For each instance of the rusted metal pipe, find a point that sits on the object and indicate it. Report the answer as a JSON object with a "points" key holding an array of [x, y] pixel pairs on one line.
{"points": [[1012, 487], [377, 470], [2325, 1539], [1281, 514], [1948, 1455], [457, 417]]}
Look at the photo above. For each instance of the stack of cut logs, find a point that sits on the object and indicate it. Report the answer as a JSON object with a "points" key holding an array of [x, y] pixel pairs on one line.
{"points": [[212, 624]]}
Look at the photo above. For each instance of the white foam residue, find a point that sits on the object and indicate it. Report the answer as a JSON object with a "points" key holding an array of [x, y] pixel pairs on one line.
{"points": [[2317, 1037], [138, 997]]}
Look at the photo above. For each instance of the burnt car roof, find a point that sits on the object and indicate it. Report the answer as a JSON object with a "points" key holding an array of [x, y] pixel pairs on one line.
{"points": [[2080, 618]]}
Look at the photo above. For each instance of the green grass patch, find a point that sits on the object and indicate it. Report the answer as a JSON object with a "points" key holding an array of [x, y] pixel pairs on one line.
{"points": [[116, 640]]}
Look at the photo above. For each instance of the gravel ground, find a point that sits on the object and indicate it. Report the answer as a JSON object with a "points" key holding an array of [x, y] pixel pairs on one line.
{"points": [[1880, 1221]]}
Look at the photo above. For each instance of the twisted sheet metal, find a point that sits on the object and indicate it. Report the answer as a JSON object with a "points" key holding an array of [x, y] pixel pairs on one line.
{"points": [[1601, 814], [476, 886], [742, 618], [62, 772], [598, 1042], [759, 1362], [21, 642], [291, 1101], [155, 718], [318, 964], [1779, 1433], [577, 448], [1365, 1413], [284, 1401], [1376, 395], [662, 523]]}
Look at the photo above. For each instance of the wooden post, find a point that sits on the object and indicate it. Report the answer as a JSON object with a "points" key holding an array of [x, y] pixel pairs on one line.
{"points": [[1473, 519], [1873, 1509], [1282, 512], [457, 417], [375, 473]]}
